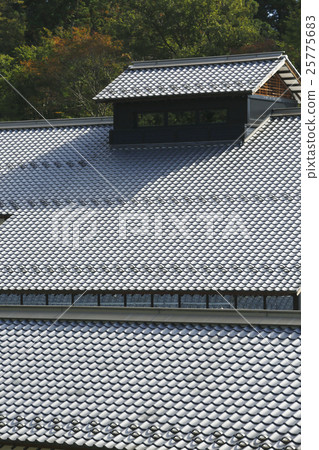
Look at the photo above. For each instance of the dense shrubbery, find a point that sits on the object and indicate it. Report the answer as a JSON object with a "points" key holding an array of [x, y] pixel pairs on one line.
{"points": [[60, 53]]}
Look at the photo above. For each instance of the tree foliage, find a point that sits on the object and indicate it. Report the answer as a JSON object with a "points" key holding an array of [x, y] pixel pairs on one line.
{"points": [[285, 18], [60, 53], [12, 25], [292, 33], [80, 64], [62, 74], [179, 28], [275, 12], [54, 14]]}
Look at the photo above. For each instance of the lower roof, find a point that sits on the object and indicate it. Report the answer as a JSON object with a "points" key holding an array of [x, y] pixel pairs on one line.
{"points": [[129, 385]]}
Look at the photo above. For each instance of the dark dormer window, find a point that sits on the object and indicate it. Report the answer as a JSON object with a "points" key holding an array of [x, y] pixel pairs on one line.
{"points": [[181, 118], [213, 116], [150, 119]]}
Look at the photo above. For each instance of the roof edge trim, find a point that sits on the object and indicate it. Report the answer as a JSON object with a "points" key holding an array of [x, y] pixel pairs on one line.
{"points": [[293, 68], [168, 96], [279, 112], [275, 112], [255, 129], [205, 60], [171, 144], [270, 74], [153, 315], [54, 123]]}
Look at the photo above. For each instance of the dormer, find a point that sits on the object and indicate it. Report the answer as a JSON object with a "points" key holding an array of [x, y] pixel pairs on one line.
{"points": [[199, 99]]}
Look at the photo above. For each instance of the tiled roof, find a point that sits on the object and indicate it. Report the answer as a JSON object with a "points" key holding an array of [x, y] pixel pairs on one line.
{"points": [[149, 386], [175, 80], [220, 217]]}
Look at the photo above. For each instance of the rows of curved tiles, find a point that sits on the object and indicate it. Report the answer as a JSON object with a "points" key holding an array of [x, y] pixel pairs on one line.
{"points": [[85, 215], [149, 386], [227, 77]]}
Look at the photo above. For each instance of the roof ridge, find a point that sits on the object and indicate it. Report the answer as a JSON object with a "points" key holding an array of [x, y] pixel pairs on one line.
{"points": [[205, 60], [53, 123]]}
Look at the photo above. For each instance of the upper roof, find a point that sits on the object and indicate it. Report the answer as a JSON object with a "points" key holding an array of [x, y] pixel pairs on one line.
{"points": [[149, 386], [220, 216], [194, 76]]}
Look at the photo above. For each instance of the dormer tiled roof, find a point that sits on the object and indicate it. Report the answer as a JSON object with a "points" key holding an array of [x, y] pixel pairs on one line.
{"points": [[236, 74]]}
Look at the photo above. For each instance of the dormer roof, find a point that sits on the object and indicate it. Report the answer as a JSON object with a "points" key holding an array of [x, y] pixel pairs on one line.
{"points": [[230, 74]]}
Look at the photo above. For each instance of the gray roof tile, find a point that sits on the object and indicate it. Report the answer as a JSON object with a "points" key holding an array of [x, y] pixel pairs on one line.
{"points": [[33, 256], [230, 77], [111, 404]]}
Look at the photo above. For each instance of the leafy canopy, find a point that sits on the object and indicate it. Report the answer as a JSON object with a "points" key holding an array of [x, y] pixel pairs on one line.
{"points": [[60, 53], [180, 28]]}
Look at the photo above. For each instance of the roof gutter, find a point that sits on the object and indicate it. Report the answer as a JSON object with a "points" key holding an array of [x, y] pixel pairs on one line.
{"points": [[54, 123], [154, 315]]}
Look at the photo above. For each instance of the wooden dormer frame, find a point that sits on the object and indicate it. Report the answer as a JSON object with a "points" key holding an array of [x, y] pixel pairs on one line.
{"points": [[289, 76]]}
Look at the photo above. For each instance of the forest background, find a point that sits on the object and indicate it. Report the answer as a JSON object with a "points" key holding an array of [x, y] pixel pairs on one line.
{"points": [[60, 53]]}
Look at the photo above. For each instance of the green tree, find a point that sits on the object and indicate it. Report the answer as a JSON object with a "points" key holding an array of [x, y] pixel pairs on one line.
{"points": [[60, 53], [62, 75], [285, 18], [12, 25], [17, 70], [291, 38], [275, 13], [54, 14], [179, 28]]}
